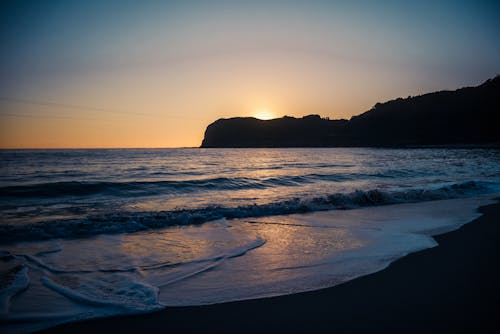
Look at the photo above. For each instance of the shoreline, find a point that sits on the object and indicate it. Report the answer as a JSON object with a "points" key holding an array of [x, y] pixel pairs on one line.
{"points": [[454, 287]]}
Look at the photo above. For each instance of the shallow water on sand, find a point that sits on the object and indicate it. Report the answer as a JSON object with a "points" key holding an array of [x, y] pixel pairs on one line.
{"points": [[49, 282]]}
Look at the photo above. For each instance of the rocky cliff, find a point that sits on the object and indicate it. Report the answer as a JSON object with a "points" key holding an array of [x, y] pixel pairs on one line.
{"points": [[465, 116]]}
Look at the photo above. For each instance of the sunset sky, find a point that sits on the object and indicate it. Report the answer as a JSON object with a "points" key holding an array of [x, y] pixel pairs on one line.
{"points": [[156, 73]]}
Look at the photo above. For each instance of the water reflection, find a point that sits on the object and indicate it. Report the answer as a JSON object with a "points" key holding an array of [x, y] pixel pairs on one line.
{"points": [[73, 184]]}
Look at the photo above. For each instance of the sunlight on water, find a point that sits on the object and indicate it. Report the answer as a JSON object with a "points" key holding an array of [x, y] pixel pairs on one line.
{"points": [[60, 193], [88, 233], [64, 280]]}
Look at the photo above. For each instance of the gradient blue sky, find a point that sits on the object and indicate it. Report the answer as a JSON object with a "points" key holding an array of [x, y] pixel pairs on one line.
{"points": [[155, 73]]}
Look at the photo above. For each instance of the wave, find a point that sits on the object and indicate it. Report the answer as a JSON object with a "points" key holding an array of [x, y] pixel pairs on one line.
{"points": [[147, 188], [83, 188], [125, 221], [118, 291]]}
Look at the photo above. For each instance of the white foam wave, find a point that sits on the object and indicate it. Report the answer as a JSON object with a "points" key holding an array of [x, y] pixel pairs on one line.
{"points": [[122, 222], [110, 290], [221, 261]]}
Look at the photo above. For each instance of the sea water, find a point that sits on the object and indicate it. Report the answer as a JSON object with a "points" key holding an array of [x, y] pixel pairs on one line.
{"points": [[92, 233]]}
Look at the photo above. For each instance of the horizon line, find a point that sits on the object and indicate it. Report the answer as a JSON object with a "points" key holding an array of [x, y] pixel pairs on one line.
{"points": [[94, 148]]}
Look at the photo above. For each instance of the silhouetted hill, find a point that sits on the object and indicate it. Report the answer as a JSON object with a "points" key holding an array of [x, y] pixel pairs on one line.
{"points": [[465, 116]]}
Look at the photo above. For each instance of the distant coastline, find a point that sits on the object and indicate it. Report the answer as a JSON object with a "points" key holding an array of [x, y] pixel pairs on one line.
{"points": [[467, 117]]}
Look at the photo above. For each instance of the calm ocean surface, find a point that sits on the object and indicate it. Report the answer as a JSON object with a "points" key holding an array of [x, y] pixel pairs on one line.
{"points": [[91, 233]]}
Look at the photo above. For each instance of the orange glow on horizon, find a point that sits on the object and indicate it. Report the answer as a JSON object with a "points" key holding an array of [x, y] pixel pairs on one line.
{"points": [[157, 73]]}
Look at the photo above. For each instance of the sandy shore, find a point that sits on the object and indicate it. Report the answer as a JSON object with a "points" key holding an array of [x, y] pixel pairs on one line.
{"points": [[454, 287]]}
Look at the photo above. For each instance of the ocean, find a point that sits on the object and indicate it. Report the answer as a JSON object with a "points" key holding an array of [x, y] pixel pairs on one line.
{"points": [[93, 233]]}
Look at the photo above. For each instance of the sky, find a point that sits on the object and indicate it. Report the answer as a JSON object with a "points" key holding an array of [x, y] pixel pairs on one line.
{"points": [[84, 74]]}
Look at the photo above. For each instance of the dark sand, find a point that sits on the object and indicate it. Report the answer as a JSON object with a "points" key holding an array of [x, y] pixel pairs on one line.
{"points": [[450, 288]]}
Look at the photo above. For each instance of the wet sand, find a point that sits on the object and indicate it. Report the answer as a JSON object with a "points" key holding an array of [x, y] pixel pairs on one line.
{"points": [[454, 287]]}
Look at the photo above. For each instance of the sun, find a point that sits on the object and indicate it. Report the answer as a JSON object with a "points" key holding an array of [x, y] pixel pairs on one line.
{"points": [[263, 114]]}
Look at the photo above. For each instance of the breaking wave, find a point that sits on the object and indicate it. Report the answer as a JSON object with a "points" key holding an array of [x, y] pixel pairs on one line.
{"points": [[125, 221]]}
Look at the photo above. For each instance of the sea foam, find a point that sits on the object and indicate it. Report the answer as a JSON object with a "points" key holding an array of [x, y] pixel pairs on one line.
{"points": [[126, 221], [224, 260]]}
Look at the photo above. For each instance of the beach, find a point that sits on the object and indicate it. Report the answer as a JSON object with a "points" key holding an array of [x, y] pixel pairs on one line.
{"points": [[249, 167], [449, 288], [241, 238]]}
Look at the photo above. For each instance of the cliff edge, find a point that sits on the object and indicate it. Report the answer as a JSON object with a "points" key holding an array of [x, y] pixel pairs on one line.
{"points": [[468, 115]]}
